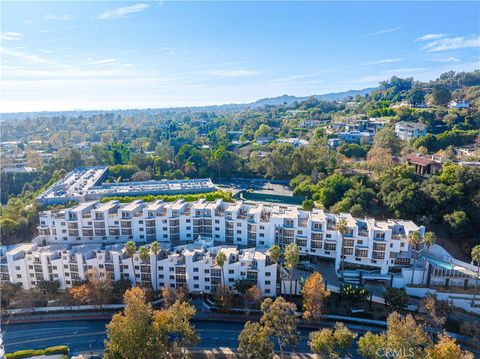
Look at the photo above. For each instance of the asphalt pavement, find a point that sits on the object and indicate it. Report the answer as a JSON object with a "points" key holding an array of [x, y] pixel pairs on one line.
{"points": [[89, 335]]}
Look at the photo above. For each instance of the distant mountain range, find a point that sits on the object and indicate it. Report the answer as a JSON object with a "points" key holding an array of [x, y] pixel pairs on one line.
{"points": [[287, 99], [273, 101]]}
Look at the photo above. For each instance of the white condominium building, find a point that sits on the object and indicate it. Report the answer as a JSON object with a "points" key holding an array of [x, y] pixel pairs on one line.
{"points": [[367, 243], [192, 265]]}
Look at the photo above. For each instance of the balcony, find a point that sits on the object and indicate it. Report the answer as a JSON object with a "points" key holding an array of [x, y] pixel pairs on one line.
{"points": [[363, 233]]}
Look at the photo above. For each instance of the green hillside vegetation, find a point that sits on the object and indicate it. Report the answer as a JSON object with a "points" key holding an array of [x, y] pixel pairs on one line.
{"points": [[359, 178]]}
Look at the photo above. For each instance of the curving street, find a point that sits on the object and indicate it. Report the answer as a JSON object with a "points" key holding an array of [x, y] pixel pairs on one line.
{"points": [[88, 335]]}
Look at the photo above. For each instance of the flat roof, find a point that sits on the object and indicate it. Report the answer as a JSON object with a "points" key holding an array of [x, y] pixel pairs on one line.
{"points": [[84, 183]]}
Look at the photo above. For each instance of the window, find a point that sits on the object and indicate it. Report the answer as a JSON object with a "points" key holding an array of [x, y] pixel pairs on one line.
{"points": [[207, 270], [195, 277], [160, 267], [19, 276], [195, 286], [17, 267], [268, 274], [195, 269], [231, 271], [267, 282]]}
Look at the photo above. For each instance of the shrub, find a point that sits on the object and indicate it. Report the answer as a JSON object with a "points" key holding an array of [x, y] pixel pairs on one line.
{"points": [[59, 349]]}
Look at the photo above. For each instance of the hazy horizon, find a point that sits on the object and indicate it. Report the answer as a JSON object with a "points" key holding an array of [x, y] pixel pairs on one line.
{"points": [[63, 56]]}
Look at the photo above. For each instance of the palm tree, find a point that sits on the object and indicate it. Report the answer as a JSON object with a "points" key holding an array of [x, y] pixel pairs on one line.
{"points": [[130, 250], [220, 260], [275, 253], [292, 257], [341, 228], [476, 258], [414, 239], [429, 240], [144, 255], [155, 249]]}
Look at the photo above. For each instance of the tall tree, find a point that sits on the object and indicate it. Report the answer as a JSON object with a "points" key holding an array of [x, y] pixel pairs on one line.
{"points": [[141, 332], [275, 253], [253, 296], [314, 294], [403, 335], [332, 343], [476, 258], [174, 328], [220, 260], [341, 227], [292, 257], [254, 342], [414, 240], [429, 239], [130, 333], [437, 311], [447, 348], [130, 250], [280, 320], [155, 249], [144, 255], [396, 299]]}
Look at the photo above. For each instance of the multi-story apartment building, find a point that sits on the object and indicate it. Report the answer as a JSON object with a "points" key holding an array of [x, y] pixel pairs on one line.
{"points": [[192, 265], [367, 243], [87, 184], [410, 130]]}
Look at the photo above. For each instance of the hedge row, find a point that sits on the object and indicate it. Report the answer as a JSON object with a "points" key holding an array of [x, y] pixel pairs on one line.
{"points": [[209, 196], [59, 349]]}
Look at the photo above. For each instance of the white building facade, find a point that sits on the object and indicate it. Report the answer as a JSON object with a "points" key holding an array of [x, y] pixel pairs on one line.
{"points": [[191, 265], [374, 245]]}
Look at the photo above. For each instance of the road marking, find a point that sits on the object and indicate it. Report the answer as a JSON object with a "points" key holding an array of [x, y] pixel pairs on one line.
{"points": [[43, 329], [52, 338]]}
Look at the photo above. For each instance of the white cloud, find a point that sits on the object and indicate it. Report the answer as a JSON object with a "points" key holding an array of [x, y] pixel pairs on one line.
{"points": [[122, 11], [383, 61], [429, 37], [101, 62], [448, 59], [64, 17], [232, 73], [19, 54], [9, 36], [452, 43], [384, 31]]}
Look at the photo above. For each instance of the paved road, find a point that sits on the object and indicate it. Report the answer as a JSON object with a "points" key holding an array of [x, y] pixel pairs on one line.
{"points": [[86, 336]]}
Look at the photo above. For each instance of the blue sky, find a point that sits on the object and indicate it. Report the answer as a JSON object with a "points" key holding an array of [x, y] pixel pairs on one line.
{"points": [[107, 55]]}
